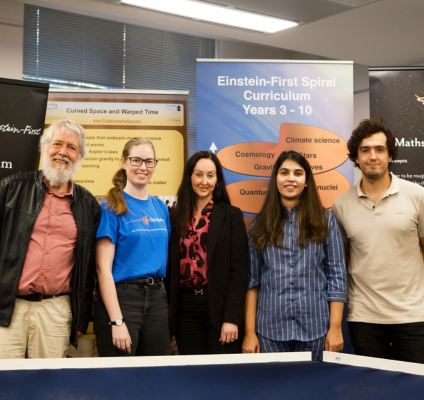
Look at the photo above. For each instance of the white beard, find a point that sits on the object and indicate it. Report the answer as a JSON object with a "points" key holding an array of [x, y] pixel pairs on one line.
{"points": [[58, 177]]}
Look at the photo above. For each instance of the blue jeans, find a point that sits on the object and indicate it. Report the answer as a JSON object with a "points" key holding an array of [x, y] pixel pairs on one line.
{"points": [[145, 312], [271, 346]]}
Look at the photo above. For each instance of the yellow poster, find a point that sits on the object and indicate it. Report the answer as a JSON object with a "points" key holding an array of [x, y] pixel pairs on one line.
{"points": [[111, 118]]}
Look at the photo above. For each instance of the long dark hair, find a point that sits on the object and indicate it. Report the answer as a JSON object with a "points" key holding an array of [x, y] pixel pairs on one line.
{"points": [[269, 223], [180, 216], [115, 198]]}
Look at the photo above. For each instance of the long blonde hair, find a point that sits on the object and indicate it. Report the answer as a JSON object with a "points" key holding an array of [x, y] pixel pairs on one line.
{"points": [[115, 198]]}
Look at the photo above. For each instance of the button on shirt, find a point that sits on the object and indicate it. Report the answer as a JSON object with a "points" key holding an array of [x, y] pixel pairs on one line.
{"points": [[296, 283], [51, 253]]}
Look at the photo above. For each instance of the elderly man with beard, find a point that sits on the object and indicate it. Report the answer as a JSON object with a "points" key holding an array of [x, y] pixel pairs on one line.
{"points": [[48, 227]]}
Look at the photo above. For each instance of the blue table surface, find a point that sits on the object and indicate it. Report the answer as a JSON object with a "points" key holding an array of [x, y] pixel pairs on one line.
{"points": [[291, 380]]}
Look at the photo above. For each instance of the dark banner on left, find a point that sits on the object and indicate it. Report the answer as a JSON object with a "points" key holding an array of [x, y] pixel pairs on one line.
{"points": [[22, 113]]}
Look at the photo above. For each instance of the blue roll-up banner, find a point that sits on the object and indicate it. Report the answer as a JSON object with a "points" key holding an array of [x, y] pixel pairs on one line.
{"points": [[397, 93], [249, 112], [22, 113]]}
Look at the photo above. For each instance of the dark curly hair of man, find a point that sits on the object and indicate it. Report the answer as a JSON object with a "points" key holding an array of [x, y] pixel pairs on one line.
{"points": [[365, 129]]}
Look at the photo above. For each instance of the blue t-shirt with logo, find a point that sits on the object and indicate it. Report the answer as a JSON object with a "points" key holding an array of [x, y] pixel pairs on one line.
{"points": [[140, 237]]}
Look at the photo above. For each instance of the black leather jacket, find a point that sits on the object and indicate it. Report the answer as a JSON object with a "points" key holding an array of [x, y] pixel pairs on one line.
{"points": [[21, 199]]}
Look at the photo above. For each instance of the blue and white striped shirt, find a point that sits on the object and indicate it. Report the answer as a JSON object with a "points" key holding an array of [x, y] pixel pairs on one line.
{"points": [[296, 283]]}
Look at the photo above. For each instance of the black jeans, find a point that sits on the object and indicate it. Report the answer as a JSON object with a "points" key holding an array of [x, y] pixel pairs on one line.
{"points": [[403, 342], [145, 312], [195, 332]]}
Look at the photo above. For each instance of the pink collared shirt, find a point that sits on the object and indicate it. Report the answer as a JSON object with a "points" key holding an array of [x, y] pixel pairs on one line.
{"points": [[52, 249]]}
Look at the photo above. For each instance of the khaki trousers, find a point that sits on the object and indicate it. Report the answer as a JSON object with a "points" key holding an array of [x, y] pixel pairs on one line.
{"points": [[40, 328]]}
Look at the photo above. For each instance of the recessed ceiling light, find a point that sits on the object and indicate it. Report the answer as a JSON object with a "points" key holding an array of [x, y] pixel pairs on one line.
{"points": [[216, 14], [354, 3]]}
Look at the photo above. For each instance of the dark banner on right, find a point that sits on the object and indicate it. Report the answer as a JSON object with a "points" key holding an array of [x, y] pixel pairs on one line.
{"points": [[398, 95]]}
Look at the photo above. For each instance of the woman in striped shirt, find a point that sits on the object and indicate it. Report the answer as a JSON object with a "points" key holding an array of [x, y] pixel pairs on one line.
{"points": [[297, 276]]}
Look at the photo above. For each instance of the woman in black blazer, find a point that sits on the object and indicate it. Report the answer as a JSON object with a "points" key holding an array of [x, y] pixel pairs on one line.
{"points": [[207, 268]]}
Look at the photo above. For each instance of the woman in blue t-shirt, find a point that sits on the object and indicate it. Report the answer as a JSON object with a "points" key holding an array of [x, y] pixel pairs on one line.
{"points": [[131, 313]]}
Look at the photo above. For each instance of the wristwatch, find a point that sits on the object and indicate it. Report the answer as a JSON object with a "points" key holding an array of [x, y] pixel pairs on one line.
{"points": [[118, 322]]}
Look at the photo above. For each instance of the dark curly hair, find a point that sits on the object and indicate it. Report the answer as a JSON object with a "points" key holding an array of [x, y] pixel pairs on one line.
{"points": [[365, 129]]}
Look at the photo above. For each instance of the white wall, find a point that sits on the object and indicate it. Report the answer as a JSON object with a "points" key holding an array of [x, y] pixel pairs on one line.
{"points": [[11, 39], [247, 51]]}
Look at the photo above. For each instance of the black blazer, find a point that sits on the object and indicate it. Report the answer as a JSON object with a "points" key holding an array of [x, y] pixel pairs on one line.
{"points": [[226, 272]]}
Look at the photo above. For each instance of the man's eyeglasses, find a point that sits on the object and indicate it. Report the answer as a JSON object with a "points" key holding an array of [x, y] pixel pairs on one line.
{"points": [[138, 162]]}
